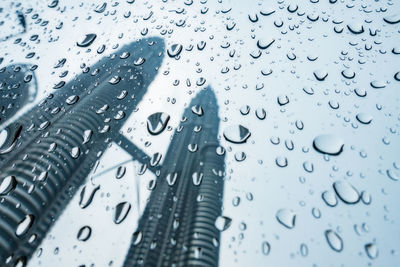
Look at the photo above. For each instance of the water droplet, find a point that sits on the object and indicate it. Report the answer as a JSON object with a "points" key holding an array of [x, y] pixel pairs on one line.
{"points": [[88, 40], [392, 19], [72, 99], [137, 238], [155, 159], [328, 144], [356, 28], [84, 233], [174, 50], [157, 122], [303, 250], [75, 152], [87, 194], [281, 161], [265, 248], [87, 134], [7, 185], [171, 178], [236, 134], [372, 250], [9, 137], [198, 110], [346, 192], [378, 84], [121, 211], [286, 217], [197, 178], [193, 147], [240, 156], [364, 118], [222, 223], [120, 172], [265, 43], [330, 198], [244, 110], [334, 240], [283, 100], [24, 225], [101, 8], [261, 113], [392, 175], [114, 80], [320, 74]]}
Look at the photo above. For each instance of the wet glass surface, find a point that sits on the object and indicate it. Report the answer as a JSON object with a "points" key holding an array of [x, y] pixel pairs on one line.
{"points": [[209, 132]]}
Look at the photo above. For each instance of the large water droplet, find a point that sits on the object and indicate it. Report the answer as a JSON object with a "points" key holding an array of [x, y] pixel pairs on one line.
{"points": [[265, 43], [372, 250], [87, 194], [392, 19], [120, 172], [75, 152], [171, 178], [84, 233], [236, 134], [88, 40], [157, 122], [137, 238], [320, 74], [334, 240], [356, 28], [7, 185], [87, 134], [330, 198], [286, 217], [24, 225], [346, 192], [174, 50], [197, 178], [328, 144], [121, 211], [364, 118], [222, 223]]}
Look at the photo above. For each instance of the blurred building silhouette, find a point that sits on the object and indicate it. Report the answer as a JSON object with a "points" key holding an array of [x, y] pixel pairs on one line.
{"points": [[51, 149], [177, 227]]}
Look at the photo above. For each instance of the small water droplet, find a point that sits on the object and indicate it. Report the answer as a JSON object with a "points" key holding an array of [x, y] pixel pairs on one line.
{"points": [[265, 248]]}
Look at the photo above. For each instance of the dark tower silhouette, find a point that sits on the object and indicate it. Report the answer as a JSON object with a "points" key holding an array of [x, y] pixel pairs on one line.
{"points": [[177, 227], [52, 148]]}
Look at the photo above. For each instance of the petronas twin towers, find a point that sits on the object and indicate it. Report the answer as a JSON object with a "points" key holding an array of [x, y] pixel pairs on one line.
{"points": [[50, 150]]}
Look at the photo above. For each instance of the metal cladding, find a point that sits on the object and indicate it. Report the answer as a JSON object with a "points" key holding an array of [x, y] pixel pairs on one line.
{"points": [[49, 158], [177, 227]]}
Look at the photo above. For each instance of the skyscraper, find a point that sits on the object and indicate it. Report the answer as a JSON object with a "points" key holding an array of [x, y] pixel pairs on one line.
{"points": [[177, 227], [50, 150]]}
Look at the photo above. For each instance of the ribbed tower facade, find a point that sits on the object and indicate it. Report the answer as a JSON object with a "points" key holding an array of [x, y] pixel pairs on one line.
{"points": [[53, 147], [177, 227]]}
